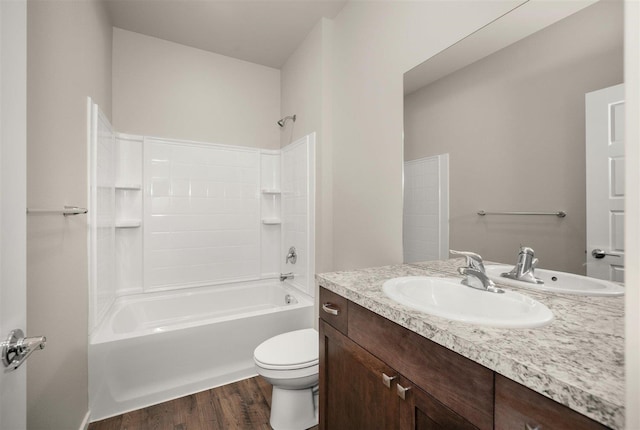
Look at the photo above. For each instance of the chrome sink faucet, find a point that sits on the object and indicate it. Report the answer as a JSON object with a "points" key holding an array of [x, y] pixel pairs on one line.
{"points": [[478, 280], [476, 276], [524, 268]]}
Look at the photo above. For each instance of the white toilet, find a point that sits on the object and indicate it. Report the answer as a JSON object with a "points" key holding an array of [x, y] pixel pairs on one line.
{"points": [[289, 362]]}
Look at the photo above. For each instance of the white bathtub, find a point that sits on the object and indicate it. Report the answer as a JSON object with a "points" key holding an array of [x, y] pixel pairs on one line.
{"points": [[161, 346]]}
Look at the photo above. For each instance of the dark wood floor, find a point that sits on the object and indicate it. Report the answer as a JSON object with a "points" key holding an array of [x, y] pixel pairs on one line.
{"points": [[241, 405]]}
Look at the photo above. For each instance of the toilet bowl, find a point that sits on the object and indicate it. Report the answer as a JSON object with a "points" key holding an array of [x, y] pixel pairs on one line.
{"points": [[289, 362]]}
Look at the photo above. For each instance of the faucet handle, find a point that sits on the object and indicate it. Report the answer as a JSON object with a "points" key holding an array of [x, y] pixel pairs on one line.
{"points": [[473, 260], [292, 256], [527, 250]]}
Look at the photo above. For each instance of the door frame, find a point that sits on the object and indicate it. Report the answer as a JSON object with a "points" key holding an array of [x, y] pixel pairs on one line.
{"points": [[13, 255], [632, 210]]}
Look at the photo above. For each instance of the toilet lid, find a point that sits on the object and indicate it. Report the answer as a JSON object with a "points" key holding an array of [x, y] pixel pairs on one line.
{"points": [[292, 350]]}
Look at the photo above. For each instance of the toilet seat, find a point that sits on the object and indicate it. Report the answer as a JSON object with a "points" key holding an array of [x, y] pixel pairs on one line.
{"points": [[288, 351]]}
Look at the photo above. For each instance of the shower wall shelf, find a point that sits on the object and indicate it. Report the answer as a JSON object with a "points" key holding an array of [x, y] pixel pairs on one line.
{"points": [[271, 221], [271, 191], [128, 223], [128, 186]]}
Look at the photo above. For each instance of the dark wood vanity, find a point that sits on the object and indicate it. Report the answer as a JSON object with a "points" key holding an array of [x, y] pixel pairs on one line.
{"points": [[376, 374]]}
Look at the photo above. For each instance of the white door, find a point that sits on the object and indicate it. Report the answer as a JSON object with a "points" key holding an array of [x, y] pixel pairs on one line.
{"points": [[13, 75], [605, 183]]}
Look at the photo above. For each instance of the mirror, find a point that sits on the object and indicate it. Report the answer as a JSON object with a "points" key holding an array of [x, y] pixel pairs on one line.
{"points": [[507, 106]]}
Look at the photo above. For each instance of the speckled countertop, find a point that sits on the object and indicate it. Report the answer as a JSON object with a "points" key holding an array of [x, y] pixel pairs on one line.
{"points": [[576, 360]]}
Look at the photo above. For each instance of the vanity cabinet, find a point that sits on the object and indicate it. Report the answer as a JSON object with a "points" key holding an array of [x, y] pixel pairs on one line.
{"points": [[375, 374], [363, 389], [518, 407]]}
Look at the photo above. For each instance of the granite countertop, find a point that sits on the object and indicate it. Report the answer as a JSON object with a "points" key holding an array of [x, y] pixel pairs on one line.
{"points": [[576, 360]]}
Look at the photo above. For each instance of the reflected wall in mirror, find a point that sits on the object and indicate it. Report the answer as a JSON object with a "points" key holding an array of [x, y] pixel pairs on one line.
{"points": [[513, 124]]}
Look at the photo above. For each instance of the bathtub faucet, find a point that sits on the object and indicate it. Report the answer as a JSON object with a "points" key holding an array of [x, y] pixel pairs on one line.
{"points": [[284, 276]]}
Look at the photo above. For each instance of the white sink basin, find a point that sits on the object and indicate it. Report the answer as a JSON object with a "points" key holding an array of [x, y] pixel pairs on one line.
{"points": [[448, 298], [558, 282]]}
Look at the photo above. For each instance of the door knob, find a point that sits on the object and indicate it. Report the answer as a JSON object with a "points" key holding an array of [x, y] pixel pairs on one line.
{"points": [[17, 348], [599, 253]]}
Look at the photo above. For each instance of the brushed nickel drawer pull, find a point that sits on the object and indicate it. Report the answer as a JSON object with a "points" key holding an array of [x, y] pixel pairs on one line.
{"points": [[528, 426], [402, 391], [386, 380], [330, 308]]}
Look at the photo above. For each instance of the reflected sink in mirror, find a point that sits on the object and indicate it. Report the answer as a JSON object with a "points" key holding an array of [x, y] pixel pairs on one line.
{"points": [[557, 282], [448, 298]]}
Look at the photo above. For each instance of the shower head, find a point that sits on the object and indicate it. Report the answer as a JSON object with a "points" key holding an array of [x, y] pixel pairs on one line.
{"points": [[283, 121]]}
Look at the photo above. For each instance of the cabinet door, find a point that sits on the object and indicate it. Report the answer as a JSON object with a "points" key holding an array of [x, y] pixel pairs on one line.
{"points": [[420, 411], [353, 394], [455, 381]]}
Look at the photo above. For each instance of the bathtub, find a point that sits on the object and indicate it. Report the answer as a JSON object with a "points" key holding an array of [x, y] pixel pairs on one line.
{"points": [[156, 347]]}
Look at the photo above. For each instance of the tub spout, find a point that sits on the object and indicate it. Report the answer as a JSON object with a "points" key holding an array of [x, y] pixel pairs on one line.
{"points": [[284, 276]]}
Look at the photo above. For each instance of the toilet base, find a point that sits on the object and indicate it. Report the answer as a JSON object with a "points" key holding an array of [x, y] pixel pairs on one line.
{"points": [[292, 409]]}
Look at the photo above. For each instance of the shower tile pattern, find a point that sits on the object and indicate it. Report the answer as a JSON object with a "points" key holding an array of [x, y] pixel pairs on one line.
{"points": [[169, 214], [201, 214]]}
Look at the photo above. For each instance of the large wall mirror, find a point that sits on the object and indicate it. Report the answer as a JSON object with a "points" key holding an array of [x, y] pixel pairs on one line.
{"points": [[496, 123]]}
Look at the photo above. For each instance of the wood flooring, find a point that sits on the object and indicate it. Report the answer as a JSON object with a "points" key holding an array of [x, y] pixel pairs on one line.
{"points": [[238, 406]]}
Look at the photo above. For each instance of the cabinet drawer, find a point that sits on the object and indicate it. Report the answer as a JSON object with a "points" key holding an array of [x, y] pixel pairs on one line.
{"points": [[333, 309], [460, 384], [519, 408]]}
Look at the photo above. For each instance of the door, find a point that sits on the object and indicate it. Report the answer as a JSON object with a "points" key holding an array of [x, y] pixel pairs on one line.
{"points": [[13, 75], [604, 117]]}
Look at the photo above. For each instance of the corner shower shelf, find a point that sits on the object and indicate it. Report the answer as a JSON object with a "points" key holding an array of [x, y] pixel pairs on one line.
{"points": [[271, 191], [128, 223], [271, 221], [128, 186]]}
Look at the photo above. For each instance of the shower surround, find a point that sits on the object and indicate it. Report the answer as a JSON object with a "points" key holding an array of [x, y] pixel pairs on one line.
{"points": [[187, 242]]}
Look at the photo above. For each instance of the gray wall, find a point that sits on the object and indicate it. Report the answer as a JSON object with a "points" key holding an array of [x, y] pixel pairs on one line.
{"points": [[69, 58], [305, 81], [305, 92], [513, 124], [165, 89], [374, 43]]}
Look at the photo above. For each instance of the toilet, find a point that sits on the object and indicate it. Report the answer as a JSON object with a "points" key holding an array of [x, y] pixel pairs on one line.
{"points": [[289, 362]]}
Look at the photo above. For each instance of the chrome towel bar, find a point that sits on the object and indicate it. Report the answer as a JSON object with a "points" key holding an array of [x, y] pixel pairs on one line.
{"points": [[559, 214], [67, 210]]}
